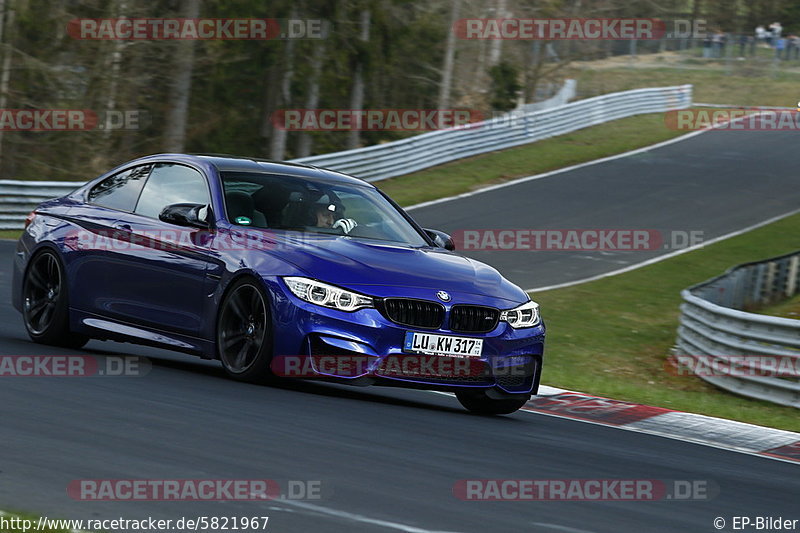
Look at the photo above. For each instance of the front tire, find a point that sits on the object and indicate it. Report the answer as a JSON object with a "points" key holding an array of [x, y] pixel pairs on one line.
{"points": [[480, 403], [244, 332], [45, 303]]}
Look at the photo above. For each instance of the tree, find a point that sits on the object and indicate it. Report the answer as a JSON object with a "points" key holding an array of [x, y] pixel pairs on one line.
{"points": [[180, 91], [449, 55], [357, 92], [279, 135], [6, 27], [504, 86]]}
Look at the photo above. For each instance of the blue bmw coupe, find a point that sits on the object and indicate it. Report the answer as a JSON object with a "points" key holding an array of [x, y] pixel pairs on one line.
{"points": [[277, 270]]}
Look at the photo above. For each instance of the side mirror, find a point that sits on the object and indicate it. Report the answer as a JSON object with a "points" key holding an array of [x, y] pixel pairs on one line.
{"points": [[189, 215], [441, 239]]}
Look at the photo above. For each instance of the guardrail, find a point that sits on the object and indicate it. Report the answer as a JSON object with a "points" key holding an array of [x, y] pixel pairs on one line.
{"points": [[396, 158], [717, 334], [566, 93], [18, 198]]}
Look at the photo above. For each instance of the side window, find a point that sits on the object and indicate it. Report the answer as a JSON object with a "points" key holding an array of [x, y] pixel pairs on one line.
{"points": [[121, 190], [172, 184]]}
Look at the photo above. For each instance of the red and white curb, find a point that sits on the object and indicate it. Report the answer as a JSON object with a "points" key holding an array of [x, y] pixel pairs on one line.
{"points": [[689, 427]]}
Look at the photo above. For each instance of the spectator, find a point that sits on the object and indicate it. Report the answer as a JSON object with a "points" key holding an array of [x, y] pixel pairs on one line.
{"points": [[718, 41], [792, 46], [761, 34], [775, 32], [707, 46], [780, 44], [744, 49], [789, 47]]}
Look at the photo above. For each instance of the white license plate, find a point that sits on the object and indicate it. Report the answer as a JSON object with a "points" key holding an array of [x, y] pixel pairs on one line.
{"points": [[428, 343]]}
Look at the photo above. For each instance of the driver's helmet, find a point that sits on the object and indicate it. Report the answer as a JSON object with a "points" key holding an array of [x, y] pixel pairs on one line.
{"points": [[330, 203]]}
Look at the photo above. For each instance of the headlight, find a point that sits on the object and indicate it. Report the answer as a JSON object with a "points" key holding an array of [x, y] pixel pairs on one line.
{"points": [[524, 316], [319, 293]]}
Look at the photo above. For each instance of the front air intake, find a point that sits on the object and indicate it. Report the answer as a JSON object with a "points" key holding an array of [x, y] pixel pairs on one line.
{"points": [[414, 313]]}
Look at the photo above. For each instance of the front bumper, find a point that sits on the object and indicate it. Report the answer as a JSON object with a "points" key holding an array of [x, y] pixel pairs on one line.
{"points": [[365, 347]]}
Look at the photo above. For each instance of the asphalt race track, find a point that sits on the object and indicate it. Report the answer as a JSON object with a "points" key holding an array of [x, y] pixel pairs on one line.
{"points": [[715, 183], [386, 459]]}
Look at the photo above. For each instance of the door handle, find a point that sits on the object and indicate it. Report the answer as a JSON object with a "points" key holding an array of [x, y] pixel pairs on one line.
{"points": [[122, 226]]}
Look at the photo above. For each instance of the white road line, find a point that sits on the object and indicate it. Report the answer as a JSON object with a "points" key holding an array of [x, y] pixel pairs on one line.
{"points": [[560, 528], [359, 518]]}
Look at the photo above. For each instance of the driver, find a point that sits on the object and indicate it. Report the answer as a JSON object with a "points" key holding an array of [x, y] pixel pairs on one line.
{"points": [[328, 215]]}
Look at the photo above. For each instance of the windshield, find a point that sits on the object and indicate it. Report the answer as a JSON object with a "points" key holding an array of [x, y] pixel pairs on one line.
{"points": [[302, 204]]}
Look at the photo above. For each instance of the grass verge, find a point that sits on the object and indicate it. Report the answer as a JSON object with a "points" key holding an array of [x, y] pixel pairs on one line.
{"points": [[787, 309], [10, 233], [746, 85], [611, 337]]}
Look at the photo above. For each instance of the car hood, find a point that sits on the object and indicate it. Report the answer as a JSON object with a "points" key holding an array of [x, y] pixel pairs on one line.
{"points": [[356, 263]]}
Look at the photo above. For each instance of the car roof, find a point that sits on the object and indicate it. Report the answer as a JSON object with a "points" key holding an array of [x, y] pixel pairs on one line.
{"points": [[228, 163]]}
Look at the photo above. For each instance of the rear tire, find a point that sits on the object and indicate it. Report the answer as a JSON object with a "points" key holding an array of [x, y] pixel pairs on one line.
{"points": [[244, 332], [45, 303], [479, 403]]}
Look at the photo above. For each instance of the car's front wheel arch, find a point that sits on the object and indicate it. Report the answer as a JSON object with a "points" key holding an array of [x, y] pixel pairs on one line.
{"points": [[244, 329]]}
